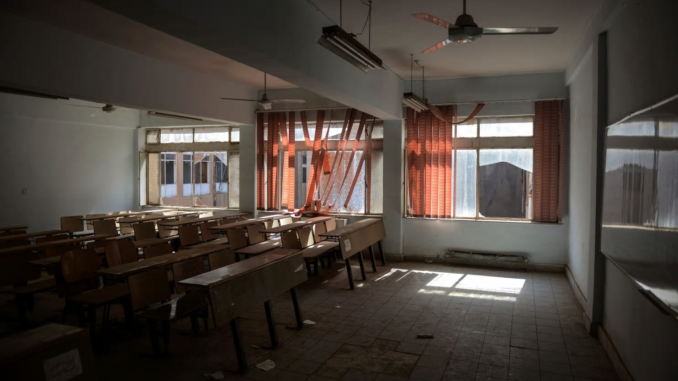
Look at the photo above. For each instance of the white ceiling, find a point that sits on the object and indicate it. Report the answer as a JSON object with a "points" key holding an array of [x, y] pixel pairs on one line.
{"points": [[92, 21], [396, 34]]}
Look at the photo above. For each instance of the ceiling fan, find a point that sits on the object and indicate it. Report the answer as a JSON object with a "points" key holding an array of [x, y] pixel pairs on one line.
{"points": [[264, 102], [465, 30]]}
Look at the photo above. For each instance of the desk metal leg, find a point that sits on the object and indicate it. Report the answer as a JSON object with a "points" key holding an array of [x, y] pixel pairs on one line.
{"points": [[297, 309], [237, 341], [349, 273], [362, 264], [92, 317], [383, 255], [271, 324], [374, 264], [237, 257]]}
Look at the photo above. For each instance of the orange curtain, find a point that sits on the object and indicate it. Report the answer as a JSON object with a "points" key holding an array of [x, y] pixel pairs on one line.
{"points": [[548, 141], [261, 195], [429, 162]]}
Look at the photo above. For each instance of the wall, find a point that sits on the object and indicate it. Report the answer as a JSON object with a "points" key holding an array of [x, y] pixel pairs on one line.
{"points": [[73, 160], [640, 72], [582, 180], [541, 243]]}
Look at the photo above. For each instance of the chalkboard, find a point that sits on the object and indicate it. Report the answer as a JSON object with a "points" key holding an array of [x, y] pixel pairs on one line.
{"points": [[640, 202]]}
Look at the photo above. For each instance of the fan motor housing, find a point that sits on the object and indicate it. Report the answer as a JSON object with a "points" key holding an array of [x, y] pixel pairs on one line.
{"points": [[465, 34]]}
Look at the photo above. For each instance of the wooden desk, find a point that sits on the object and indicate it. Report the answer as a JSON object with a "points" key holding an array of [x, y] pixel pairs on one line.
{"points": [[234, 225], [52, 244], [135, 220], [186, 222], [144, 243], [4, 229], [47, 263], [58, 349], [356, 237], [127, 269], [47, 233], [239, 287], [116, 216], [257, 249], [296, 225]]}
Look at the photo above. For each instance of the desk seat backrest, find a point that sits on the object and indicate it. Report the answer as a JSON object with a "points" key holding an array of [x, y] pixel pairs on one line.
{"points": [[189, 235], [144, 230], [51, 238], [15, 269], [72, 224], [157, 250], [121, 251], [221, 258], [90, 224], [228, 220], [206, 233], [237, 238], [318, 229], [105, 227], [285, 221], [254, 233], [148, 288], [186, 269], [164, 231], [78, 271], [331, 224]]}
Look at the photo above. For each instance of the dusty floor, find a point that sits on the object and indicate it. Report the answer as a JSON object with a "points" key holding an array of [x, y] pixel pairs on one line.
{"points": [[486, 325]]}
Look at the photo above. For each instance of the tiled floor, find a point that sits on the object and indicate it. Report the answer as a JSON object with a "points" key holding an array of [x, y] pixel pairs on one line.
{"points": [[485, 325]]}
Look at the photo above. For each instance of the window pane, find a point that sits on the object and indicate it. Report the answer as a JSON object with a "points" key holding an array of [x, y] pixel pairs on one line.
{"points": [[168, 186], [633, 128], [233, 179], [668, 129], [152, 136], [201, 176], [468, 129], [667, 189], [466, 183], [506, 127], [176, 135], [211, 134], [505, 180], [235, 134]]}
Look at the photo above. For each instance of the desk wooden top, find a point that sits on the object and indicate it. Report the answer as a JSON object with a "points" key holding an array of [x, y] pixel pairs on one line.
{"points": [[48, 245], [350, 228], [134, 220], [296, 225], [20, 345], [46, 233], [260, 247], [12, 228], [127, 269], [46, 262], [227, 273], [194, 221], [154, 241], [234, 225], [115, 216]]}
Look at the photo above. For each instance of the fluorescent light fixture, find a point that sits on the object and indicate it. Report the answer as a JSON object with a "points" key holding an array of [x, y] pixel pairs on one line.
{"points": [[349, 48], [413, 101], [164, 115]]}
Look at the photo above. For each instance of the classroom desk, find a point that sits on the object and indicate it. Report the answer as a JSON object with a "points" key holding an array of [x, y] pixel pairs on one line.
{"points": [[116, 216], [354, 238], [239, 287], [135, 220], [5, 229], [144, 243], [48, 352], [46, 233], [242, 224], [127, 269], [47, 263], [52, 244], [295, 225]]}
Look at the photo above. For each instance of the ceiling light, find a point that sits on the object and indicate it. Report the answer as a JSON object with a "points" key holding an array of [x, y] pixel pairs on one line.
{"points": [[413, 101], [347, 47], [165, 115]]}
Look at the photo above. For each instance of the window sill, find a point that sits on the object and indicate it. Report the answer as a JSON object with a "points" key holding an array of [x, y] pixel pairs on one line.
{"points": [[527, 222], [336, 215]]}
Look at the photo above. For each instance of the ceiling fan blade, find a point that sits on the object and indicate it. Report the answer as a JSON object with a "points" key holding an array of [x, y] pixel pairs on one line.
{"points": [[432, 20], [437, 46], [240, 99], [532, 30], [287, 101]]}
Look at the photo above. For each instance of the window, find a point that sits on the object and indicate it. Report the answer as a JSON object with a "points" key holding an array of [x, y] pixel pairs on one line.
{"points": [[491, 169], [345, 174], [188, 170]]}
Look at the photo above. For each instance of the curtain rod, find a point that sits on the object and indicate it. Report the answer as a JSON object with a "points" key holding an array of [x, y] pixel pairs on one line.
{"points": [[492, 102], [302, 109]]}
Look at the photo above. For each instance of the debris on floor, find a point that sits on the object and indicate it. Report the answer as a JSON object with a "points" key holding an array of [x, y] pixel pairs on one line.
{"points": [[309, 322], [266, 365], [424, 336], [215, 376], [337, 306], [256, 346]]}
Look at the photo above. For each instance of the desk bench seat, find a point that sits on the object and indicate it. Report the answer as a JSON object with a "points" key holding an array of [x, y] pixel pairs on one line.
{"points": [[24, 294], [315, 252], [258, 248], [102, 296]]}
